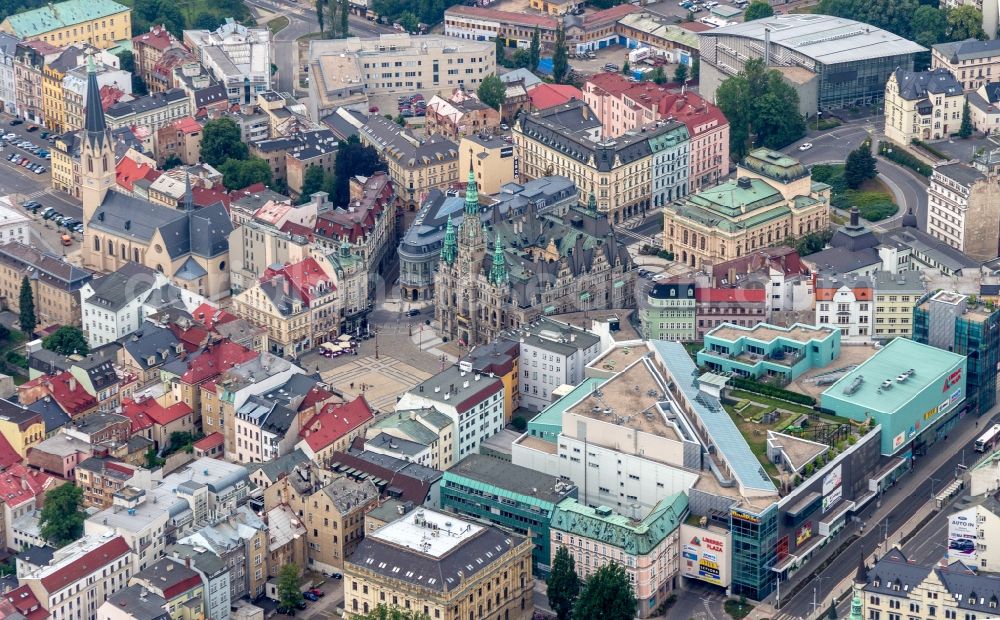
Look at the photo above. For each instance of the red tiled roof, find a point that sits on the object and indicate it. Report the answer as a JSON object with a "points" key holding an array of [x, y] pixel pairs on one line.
{"points": [[314, 396], [69, 394], [128, 171], [110, 95], [826, 294], [215, 359], [181, 587], [609, 15], [211, 441], [749, 295], [18, 485], [334, 421], [8, 455], [548, 95], [194, 335], [88, 564], [209, 316], [26, 603], [149, 412], [158, 37], [208, 196], [412, 489], [305, 276], [294, 228], [187, 125], [695, 26], [542, 21]]}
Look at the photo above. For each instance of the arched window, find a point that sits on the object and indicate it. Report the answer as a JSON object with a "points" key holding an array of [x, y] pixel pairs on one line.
{"points": [[90, 163], [135, 254], [111, 248], [124, 252], [97, 244]]}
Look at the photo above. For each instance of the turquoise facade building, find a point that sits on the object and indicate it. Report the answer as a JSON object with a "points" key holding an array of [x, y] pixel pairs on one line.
{"points": [[509, 496], [768, 350], [914, 391]]}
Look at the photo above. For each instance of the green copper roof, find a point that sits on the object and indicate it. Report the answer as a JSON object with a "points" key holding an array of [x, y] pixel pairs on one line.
{"points": [[65, 14], [471, 195], [498, 271], [633, 537], [774, 165], [450, 248], [722, 205]]}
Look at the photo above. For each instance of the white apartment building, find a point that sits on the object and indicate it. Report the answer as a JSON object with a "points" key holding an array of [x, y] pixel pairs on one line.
{"points": [[239, 57], [112, 306], [14, 225], [552, 354], [152, 112], [961, 209], [265, 430], [8, 99], [393, 64], [79, 577], [474, 402], [973, 535], [846, 303]]}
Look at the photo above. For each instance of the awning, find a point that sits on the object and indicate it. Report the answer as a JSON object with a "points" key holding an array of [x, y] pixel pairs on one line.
{"points": [[584, 296], [802, 504], [550, 309]]}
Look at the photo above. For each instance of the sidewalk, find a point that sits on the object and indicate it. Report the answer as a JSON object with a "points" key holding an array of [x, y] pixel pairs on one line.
{"points": [[905, 488]]}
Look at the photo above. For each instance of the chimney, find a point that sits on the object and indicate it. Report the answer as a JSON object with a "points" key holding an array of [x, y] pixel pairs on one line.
{"points": [[767, 47], [72, 384], [855, 217]]}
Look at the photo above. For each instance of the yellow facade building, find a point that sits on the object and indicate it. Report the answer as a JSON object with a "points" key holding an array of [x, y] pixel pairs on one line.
{"points": [[922, 105], [478, 571], [101, 23], [772, 199], [20, 427], [492, 161], [895, 296]]}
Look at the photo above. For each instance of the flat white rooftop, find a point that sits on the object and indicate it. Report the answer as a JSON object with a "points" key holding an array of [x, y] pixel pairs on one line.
{"points": [[428, 532]]}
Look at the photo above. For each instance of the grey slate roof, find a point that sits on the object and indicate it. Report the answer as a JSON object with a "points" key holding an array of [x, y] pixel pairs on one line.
{"points": [[52, 414], [915, 85], [145, 104], [44, 266], [151, 341], [203, 232], [115, 290], [961, 173], [425, 571], [386, 441], [969, 49], [505, 475], [282, 465]]}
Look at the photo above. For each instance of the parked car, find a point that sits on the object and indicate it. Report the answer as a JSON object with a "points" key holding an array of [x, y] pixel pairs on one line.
{"points": [[43, 135], [16, 122], [32, 205], [10, 136], [41, 170], [78, 228], [413, 312], [288, 611], [300, 605], [309, 596], [805, 146], [32, 128], [612, 67], [317, 592]]}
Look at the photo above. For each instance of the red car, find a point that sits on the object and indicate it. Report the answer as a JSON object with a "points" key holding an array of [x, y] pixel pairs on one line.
{"points": [[317, 592]]}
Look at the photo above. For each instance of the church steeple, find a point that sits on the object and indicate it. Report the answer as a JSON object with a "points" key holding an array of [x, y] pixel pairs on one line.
{"points": [[450, 249], [94, 124], [471, 194], [498, 272]]}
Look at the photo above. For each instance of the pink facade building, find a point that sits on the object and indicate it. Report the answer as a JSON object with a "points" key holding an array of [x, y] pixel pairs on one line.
{"points": [[624, 105]]}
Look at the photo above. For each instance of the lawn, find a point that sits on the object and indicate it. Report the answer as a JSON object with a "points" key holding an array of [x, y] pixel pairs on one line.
{"points": [[277, 24], [771, 402], [873, 199], [755, 435]]}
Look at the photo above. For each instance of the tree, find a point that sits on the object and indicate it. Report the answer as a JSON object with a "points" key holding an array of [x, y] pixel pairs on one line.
{"points": [[659, 76], [207, 21], [61, 521], [126, 60], [172, 161], [626, 68], [860, 166], [26, 302], [289, 594], [312, 182], [345, 25], [67, 340], [681, 73], [331, 15], [240, 173], [221, 140], [408, 21], [320, 11], [763, 110], [966, 129], [560, 63], [501, 50], [831, 613], [535, 49], [695, 69], [384, 612], [492, 91], [758, 9], [520, 59], [965, 22], [563, 584], [607, 594], [929, 25], [352, 159]]}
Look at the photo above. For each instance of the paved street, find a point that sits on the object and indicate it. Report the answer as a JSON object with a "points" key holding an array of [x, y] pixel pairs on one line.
{"points": [[833, 146], [302, 21], [898, 505]]}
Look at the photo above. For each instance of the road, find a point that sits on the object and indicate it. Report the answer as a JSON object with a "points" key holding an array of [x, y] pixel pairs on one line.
{"points": [[302, 21], [834, 145], [901, 502]]}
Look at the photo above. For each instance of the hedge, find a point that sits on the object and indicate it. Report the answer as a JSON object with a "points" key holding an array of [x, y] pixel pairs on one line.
{"points": [[750, 385], [930, 149], [901, 157]]}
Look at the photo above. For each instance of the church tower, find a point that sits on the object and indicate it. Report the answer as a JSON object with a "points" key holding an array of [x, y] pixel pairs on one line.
{"points": [[857, 602], [97, 156]]}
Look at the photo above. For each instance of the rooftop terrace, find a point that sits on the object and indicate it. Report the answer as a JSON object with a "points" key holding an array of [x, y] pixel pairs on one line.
{"points": [[767, 333]]}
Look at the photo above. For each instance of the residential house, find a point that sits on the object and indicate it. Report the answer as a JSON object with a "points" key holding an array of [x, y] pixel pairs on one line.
{"points": [[334, 428]]}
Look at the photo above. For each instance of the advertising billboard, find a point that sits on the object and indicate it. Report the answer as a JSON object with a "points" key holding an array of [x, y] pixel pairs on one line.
{"points": [[832, 480], [705, 555], [962, 536], [829, 501]]}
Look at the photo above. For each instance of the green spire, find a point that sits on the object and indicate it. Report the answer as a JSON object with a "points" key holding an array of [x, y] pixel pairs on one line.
{"points": [[450, 249], [857, 613], [498, 272], [471, 195], [592, 203]]}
